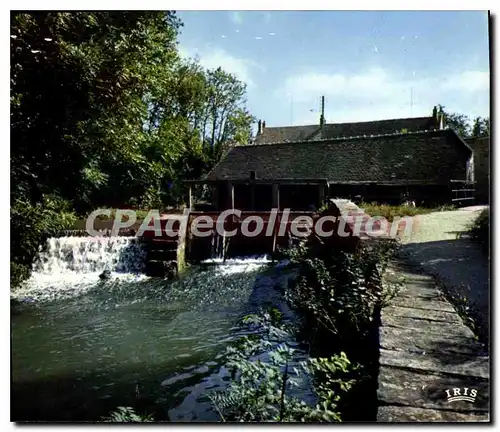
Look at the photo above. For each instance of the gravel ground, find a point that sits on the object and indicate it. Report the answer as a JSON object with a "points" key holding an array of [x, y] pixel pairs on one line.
{"points": [[459, 264]]}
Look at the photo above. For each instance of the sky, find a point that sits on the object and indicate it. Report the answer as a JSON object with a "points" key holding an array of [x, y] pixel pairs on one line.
{"points": [[369, 65]]}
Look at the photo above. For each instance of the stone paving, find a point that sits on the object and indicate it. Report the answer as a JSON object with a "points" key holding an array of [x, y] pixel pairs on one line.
{"points": [[458, 264], [425, 350]]}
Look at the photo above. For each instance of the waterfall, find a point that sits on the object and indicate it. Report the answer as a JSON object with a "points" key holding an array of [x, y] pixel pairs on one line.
{"points": [[70, 266], [218, 246], [91, 254]]}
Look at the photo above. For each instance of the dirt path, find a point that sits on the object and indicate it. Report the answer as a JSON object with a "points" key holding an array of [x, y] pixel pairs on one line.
{"points": [[459, 265]]}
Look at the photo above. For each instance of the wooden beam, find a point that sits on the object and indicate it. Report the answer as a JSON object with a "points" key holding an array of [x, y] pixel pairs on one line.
{"points": [[230, 195], [297, 181], [215, 196], [252, 196], [321, 195], [276, 195]]}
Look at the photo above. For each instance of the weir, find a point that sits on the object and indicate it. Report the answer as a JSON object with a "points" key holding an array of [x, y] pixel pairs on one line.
{"points": [[167, 252]]}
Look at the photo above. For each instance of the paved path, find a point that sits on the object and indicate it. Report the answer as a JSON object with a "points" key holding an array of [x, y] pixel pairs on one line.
{"points": [[425, 349], [458, 264]]}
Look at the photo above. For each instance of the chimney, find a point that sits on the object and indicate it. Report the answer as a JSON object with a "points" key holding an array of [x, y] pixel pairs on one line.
{"points": [[441, 119], [259, 127], [435, 115], [322, 117]]}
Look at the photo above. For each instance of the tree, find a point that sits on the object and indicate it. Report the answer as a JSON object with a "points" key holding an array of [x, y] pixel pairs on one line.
{"points": [[481, 127], [461, 123], [105, 113], [225, 99], [79, 83]]}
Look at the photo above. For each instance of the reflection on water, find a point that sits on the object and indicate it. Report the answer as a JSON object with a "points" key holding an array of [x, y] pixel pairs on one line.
{"points": [[81, 346]]}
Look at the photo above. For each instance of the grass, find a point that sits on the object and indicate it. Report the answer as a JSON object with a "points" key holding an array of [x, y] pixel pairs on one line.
{"points": [[389, 212]]}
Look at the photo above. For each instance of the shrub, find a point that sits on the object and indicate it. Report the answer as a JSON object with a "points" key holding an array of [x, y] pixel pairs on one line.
{"points": [[337, 292], [30, 225], [480, 229], [127, 415], [260, 389], [389, 212]]}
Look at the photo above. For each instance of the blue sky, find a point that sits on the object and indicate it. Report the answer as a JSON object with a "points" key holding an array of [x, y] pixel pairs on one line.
{"points": [[368, 65]]}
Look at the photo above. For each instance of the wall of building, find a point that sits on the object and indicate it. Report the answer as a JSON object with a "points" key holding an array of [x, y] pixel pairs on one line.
{"points": [[481, 147]]}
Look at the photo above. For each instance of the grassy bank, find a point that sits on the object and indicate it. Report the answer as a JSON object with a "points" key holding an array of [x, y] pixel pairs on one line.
{"points": [[389, 212]]}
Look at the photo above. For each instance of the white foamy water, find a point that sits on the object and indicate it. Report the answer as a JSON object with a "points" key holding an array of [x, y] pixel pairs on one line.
{"points": [[48, 287], [91, 254], [70, 266], [239, 265]]}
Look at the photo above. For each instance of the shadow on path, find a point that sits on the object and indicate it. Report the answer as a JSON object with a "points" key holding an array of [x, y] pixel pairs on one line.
{"points": [[462, 270]]}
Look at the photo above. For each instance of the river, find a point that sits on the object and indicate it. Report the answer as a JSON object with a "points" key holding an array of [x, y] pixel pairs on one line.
{"points": [[81, 346]]}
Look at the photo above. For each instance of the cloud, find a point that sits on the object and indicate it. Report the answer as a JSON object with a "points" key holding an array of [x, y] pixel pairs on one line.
{"points": [[236, 17], [471, 81], [212, 58], [377, 93]]}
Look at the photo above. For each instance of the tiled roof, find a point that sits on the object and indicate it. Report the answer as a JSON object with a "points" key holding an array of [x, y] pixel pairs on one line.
{"points": [[273, 135], [433, 156]]}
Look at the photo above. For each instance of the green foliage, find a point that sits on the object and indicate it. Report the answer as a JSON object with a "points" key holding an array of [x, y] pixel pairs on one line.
{"points": [[127, 415], [480, 229], [128, 119], [389, 212], [461, 124], [30, 225], [481, 127], [105, 113], [260, 388], [339, 290]]}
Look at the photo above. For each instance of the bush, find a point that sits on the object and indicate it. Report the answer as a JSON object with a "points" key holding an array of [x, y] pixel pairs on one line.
{"points": [[337, 292], [260, 388], [389, 212], [30, 226], [339, 296], [480, 229]]}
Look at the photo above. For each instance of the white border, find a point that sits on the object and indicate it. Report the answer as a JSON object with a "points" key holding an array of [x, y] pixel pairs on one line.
{"points": [[182, 5]]}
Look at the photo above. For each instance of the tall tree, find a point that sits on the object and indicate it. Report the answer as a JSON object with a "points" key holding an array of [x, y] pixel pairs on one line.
{"points": [[460, 123], [79, 84], [481, 127], [225, 99]]}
